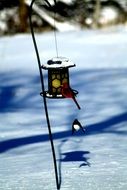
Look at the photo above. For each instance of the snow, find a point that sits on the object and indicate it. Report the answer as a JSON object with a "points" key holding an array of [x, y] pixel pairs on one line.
{"points": [[95, 160], [58, 62]]}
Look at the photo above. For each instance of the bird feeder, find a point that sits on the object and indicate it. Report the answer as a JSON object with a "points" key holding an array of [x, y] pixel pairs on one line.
{"points": [[58, 74]]}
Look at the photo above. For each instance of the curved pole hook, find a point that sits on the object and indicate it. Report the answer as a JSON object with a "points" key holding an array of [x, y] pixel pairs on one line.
{"points": [[58, 182]]}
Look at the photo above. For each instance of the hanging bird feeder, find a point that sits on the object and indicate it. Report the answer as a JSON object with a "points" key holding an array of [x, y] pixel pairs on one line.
{"points": [[58, 74]]}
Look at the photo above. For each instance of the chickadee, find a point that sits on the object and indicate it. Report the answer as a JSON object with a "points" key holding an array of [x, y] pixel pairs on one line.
{"points": [[76, 125]]}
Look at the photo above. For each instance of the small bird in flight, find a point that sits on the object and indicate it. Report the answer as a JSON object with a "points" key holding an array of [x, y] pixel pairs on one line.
{"points": [[76, 125]]}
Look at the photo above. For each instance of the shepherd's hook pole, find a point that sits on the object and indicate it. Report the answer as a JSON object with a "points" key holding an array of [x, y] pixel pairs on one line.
{"points": [[43, 90]]}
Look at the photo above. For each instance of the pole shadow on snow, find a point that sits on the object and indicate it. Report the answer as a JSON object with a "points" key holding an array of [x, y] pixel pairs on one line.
{"points": [[102, 127]]}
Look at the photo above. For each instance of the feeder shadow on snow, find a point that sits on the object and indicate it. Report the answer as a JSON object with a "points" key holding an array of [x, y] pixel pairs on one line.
{"points": [[73, 156], [76, 156]]}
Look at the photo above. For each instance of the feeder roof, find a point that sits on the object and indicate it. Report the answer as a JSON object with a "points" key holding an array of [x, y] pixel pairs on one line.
{"points": [[58, 62]]}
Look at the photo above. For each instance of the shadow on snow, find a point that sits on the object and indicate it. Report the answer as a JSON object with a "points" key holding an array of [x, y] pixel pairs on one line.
{"points": [[102, 127], [20, 91]]}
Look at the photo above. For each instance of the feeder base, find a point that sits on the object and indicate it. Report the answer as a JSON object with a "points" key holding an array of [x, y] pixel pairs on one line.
{"points": [[48, 95], [56, 96]]}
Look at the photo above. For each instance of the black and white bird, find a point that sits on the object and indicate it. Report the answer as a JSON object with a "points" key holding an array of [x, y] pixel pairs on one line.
{"points": [[76, 126]]}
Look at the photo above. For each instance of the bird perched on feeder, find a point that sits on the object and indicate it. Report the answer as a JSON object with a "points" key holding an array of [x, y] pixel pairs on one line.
{"points": [[76, 125], [67, 92]]}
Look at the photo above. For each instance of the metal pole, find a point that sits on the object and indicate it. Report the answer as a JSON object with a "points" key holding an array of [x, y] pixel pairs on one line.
{"points": [[44, 98]]}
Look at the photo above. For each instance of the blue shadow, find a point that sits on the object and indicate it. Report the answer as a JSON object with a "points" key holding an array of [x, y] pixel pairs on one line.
{"points": [[102, 127], [13, 83], [76, 156]]}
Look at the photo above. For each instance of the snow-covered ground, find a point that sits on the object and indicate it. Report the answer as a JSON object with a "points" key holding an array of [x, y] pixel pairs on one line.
{"points": [[94, 161]]}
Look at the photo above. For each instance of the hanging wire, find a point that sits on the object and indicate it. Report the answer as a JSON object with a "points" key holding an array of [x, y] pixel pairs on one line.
{"points": [[43, 90], [55, 37]]}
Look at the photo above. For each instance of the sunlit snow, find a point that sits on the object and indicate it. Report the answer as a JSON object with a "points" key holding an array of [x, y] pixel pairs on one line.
{"points": [[95, 160]]}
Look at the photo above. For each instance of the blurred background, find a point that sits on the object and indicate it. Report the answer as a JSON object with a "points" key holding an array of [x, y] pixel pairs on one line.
{"points": [[81, 13]]}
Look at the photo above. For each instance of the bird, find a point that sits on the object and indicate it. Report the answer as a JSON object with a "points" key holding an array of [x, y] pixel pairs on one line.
{"points": [[67, 92], [76, 125]]}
